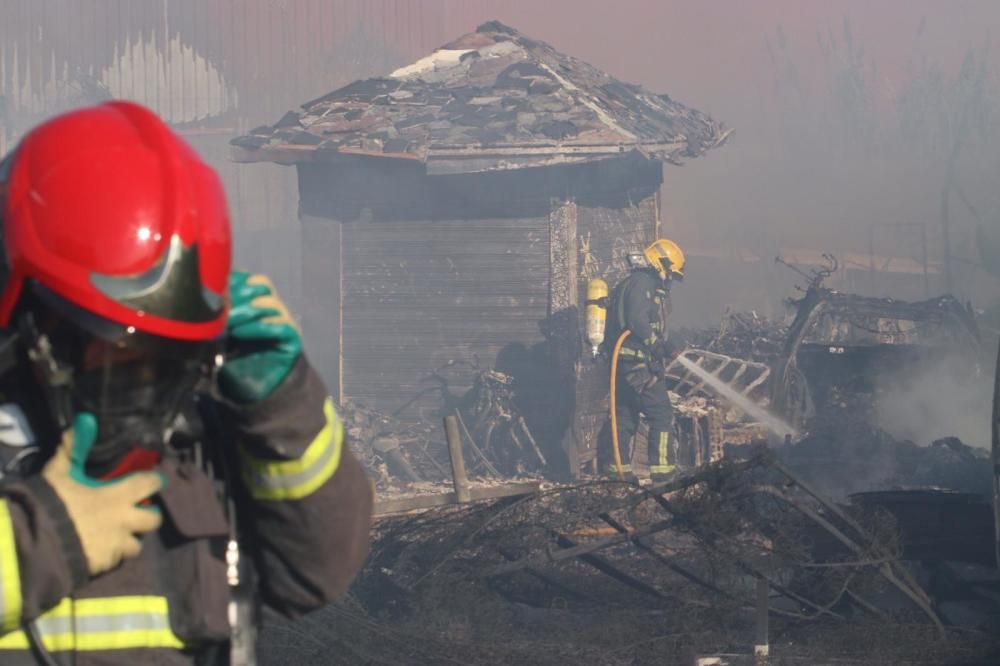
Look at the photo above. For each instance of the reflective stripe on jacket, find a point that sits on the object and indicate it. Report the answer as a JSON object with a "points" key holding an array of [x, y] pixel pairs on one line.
{"points": [[111, 623], [10, 576]]}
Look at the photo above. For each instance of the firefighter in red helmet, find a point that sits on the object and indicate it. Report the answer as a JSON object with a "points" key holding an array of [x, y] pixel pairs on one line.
{"points": [[178, 433]]}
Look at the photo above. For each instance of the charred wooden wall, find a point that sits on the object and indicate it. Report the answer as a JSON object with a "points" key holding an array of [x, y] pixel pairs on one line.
{"points": [[404, 272]]}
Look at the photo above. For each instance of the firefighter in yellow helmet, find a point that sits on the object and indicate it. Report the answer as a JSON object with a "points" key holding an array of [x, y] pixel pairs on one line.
{"points": [[640, 304]]}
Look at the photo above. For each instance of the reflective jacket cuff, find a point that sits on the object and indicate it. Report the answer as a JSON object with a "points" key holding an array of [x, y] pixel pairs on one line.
{"points": [[291, 443]]}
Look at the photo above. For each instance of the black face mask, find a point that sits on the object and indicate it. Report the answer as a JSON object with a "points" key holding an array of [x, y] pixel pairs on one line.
{"points": [[132, 382], [135, 399]]}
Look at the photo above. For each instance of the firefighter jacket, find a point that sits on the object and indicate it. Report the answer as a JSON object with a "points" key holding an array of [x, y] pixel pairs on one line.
{"points": [[641, 304], [302, 496]]}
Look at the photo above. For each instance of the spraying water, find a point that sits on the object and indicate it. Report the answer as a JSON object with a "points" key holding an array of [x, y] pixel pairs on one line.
{"points": [[749, 407]]}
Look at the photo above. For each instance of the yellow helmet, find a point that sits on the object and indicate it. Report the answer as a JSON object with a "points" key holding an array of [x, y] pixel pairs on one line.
{"points": [[666, 257]]}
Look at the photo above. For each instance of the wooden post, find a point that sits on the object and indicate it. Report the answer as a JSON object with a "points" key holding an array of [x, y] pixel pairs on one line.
{"points": [[762, 648], [564, 284], [762, 643], [457, 462], [564, 296]]}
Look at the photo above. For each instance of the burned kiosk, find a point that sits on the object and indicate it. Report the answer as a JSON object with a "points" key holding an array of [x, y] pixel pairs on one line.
{"points": [[452, 212]]}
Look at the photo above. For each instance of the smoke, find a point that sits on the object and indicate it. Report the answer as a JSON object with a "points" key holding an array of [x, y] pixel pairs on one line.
{"points": [[855, 142], [943, 398]]}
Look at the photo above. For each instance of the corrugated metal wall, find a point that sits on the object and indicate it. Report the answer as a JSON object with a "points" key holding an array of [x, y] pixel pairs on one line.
{"points": [[418, 294], [196, 61]]}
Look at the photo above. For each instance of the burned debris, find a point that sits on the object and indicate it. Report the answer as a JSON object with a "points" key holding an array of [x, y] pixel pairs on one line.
{"points": [[624, 575], [839, 344], [400, 450], [857, 547]]}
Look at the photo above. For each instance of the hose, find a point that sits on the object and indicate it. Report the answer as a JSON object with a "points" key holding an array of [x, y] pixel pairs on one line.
{"points": [[37, 646], [612, 401]]}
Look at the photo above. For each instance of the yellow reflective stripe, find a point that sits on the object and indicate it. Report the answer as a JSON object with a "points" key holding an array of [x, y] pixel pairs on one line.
{"points": [[119, 606], [111, 623], [10, 573], [295, 479], [663, 455]]}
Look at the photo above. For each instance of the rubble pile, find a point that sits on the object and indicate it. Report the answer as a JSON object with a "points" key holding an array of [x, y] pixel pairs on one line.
{"points": [[401, 454], [612, 573], [747, 335], [741, 334], [898, 567], [395, 452]]}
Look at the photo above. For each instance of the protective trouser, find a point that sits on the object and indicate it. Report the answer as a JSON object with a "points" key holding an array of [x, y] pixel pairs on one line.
{"points": [[639, 391]]}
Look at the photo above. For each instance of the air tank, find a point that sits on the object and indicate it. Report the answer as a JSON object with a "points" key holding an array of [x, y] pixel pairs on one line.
{"points": [[596, 313]]}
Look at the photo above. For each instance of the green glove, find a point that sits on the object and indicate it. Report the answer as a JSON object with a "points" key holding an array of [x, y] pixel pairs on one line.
{"points": [[264, 342]]}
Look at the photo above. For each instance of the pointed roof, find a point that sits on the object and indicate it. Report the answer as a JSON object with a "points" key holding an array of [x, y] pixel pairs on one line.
{"points": [[492, 99]]}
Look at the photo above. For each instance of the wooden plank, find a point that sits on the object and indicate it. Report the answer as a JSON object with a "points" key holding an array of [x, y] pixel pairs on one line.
{"points": [[384, 507]]}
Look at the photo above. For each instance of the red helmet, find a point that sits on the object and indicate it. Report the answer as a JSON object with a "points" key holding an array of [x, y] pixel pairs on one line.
{"points": [[114, 272], [108, 209]]}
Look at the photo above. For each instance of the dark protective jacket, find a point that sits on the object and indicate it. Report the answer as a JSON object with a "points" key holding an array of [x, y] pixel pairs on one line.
{"points": [[302, 496], [641, 304]]}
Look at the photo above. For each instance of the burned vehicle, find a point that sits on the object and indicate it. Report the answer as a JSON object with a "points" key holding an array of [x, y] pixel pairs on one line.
{"points": [[840, 346]]}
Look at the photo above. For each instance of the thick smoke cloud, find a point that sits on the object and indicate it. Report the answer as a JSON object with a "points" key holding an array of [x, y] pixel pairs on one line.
{"points": [[940, 400]]}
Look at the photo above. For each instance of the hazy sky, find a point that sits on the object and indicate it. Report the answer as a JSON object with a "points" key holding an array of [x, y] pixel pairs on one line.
{"points": [[701, 51]]}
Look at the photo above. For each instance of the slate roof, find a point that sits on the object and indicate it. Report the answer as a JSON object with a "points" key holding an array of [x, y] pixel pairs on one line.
{"points": [[492, 99]]}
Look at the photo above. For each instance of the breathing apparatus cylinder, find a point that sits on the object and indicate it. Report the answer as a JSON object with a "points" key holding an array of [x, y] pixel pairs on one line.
{"points": [[596, 313]]}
